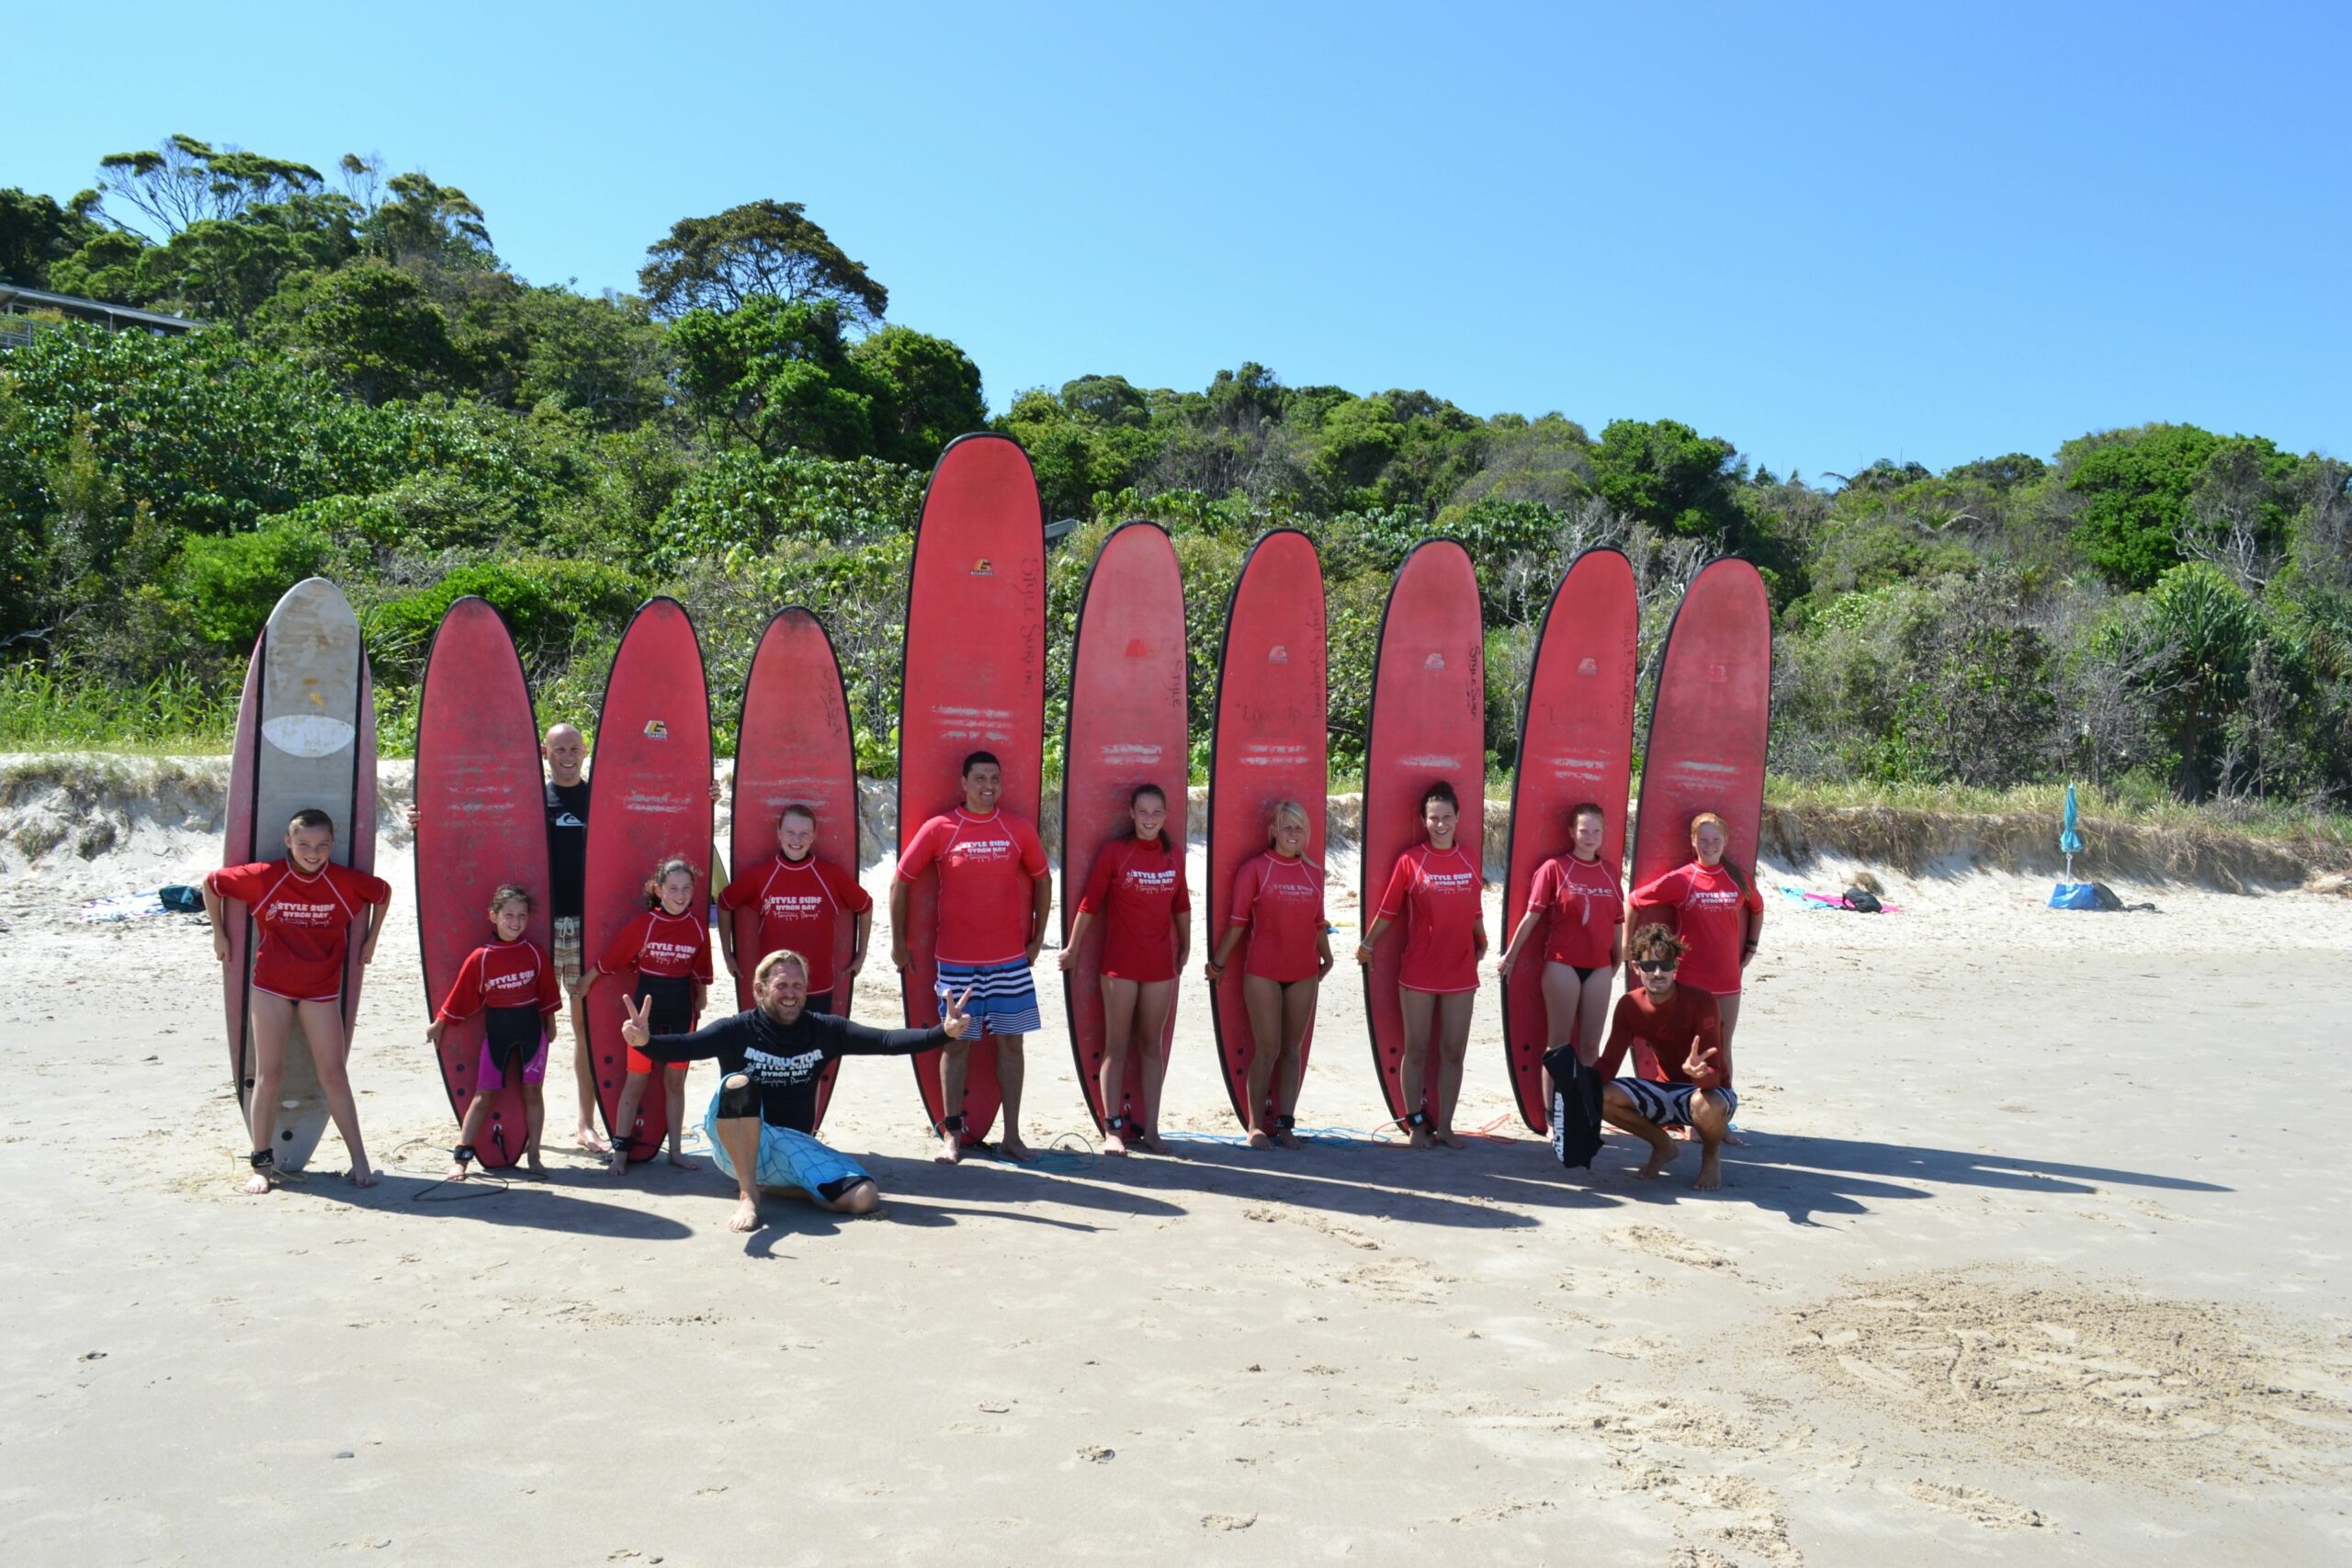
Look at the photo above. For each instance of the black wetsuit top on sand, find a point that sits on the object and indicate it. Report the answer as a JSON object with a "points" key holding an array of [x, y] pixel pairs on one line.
{"points": [[567, 850], [785, 1061]]}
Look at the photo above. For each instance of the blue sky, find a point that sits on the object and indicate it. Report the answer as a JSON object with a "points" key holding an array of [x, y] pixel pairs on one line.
{"points": [[1828, 234]]}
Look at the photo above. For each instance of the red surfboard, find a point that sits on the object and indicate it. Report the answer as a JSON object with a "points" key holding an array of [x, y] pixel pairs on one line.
{"points": [[1126, 728], [793, 746], [648, 798], [1575, 743], [481, 821], [1271, 742], [972, 677], [1708, 722], [1428, 722], [306, 737]]}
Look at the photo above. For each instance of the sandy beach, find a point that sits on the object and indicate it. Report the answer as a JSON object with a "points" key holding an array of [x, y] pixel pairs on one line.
{"points": [[2034, 1252]]}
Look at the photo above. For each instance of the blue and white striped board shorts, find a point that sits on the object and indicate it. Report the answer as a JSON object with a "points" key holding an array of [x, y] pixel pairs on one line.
{"points": [[1003, 1000], [1668, 1104], [790, 1159]]}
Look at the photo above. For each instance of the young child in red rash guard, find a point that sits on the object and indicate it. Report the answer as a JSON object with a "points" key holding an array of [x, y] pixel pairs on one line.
{"points": [[1136, 889], [1278, 907], [801, 899], [668, 948], [1438, 890], [303, 907], [511, 983], [1716, 910]]}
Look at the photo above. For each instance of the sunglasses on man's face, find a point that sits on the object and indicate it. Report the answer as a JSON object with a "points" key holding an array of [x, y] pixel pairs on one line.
{"points": [[1658, 968]]}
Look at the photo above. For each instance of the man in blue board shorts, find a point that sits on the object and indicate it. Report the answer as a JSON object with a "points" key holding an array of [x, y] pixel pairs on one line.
{"points": [[773, 1058], [994, 892]]}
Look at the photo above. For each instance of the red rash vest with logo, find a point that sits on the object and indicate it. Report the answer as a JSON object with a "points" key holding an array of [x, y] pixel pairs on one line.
{"points": [[1282, 902], [1710, 913], [1585, 905], [502, 975], [669, 947], [1136, 889], [1666, 1035], [305, 922], [1440, 894], [986, 867], [800, 903]]}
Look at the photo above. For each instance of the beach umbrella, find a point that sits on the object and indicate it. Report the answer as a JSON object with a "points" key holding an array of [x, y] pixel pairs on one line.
{"points": [[2070, 842]]}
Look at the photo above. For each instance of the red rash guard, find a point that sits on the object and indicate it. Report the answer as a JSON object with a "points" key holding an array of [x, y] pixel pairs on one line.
{"points": [[986, 867], [1711, 914], [1671, 1030], [667, 946], [502, 975], [1137, 890], [1584, 904], [1438, 892], [305, 922], [800, 904], [1282, 902]]}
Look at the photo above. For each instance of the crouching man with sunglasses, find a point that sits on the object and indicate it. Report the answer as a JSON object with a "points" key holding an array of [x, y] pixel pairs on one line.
{"points": [[1688, 1055]]}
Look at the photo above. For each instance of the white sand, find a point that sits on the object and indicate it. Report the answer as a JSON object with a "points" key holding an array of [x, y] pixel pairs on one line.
{"points": [[2034, 1253]]}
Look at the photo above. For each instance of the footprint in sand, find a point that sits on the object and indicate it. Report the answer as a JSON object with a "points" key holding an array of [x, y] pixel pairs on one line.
{"points": [[1673, 1246], [1979, 1506], [1267, 1215]]}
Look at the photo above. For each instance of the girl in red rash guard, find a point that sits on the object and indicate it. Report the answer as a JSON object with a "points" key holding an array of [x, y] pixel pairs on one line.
{"points": [[1278, 904], [1716, 910], [1438, 890], [668, 948], [1136, 889], [1583, 903], [513, 984], [303, 907]]}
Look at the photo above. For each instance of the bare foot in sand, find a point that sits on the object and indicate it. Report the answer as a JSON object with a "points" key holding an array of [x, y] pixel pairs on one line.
{"points": [[1115, 1146], [592, 1141], [1451, 1139], [255, 1185], [1420, 1139], [1711, 1175], [457, 1171], [360, 1176], [1261, 1139], [1151, 1143], [746, 1217], [1013, 1149], [685, 1162], [1285, 1138], [537, 1169], [950, 1150], [1662, 1152], [619, 1162]]}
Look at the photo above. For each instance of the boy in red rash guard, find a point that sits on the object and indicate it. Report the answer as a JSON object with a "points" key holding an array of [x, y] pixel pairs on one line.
{"points": [[669, 948], [516, 982], [303, 905], [994, 891], [1278, 905], [1438, 890], [1718, 912], [1688, 1079], [801, 900], [1136, 889]]}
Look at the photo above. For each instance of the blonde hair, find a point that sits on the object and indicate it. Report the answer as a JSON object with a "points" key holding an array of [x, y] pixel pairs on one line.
{"points": [[1281, 808], [781, 956], [1724, 828]]}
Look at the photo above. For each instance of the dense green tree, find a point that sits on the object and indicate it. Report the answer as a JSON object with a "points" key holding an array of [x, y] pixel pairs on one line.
{"points": [[35, 234], [369, 328], [779, 374], [769, 250], [1665, 473], [2131, 490], [927, 392]]}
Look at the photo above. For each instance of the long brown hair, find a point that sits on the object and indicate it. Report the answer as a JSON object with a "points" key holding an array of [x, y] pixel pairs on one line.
{"points": [[661, 873]]}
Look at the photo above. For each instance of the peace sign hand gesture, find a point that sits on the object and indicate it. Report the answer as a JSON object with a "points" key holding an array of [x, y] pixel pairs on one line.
{"points": [[633, 1027], [958, 1024]]}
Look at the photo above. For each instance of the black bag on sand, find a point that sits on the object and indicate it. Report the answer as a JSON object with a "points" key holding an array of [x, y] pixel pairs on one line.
{"points": [[1861, 900], [1575, 1107]]}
